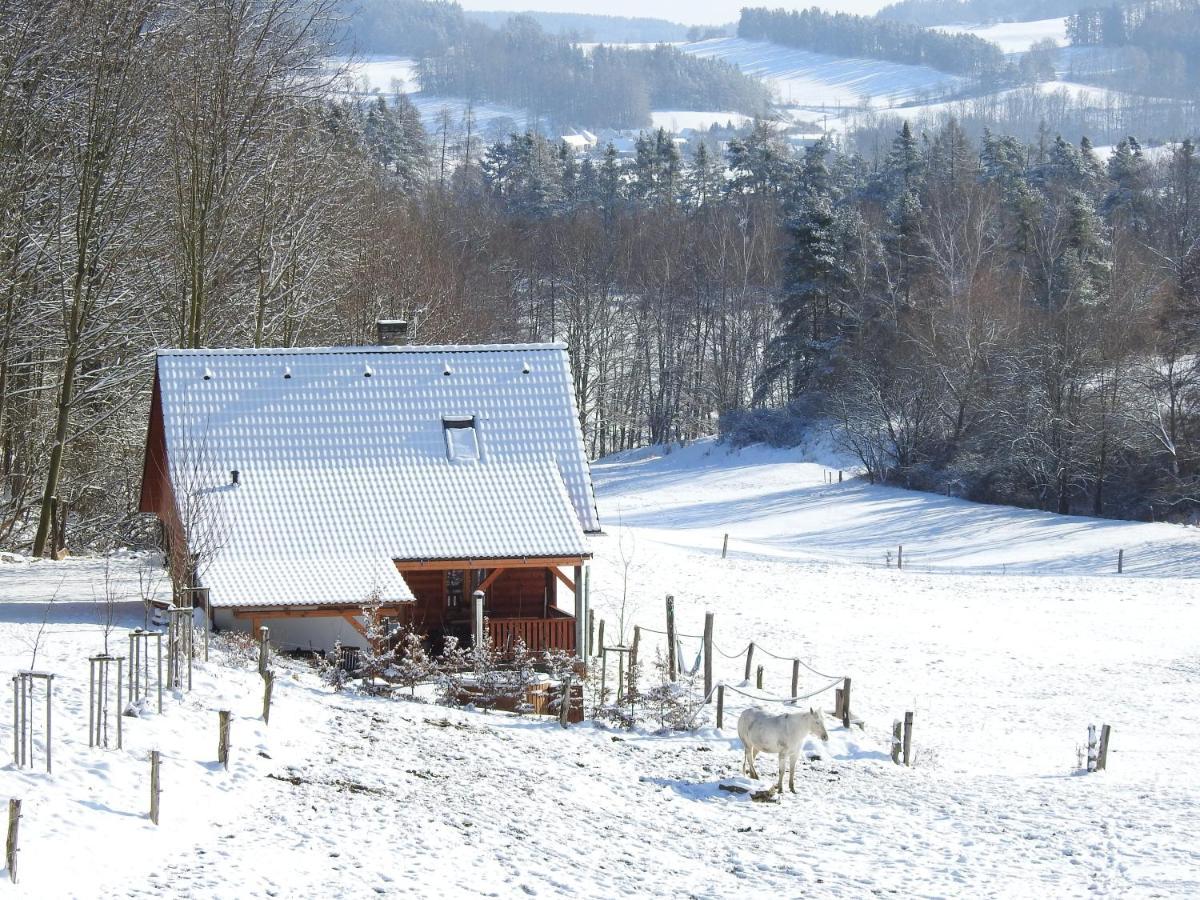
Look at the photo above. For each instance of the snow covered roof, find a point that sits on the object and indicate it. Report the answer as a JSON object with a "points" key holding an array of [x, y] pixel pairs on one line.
{"points": [[350, 458]]}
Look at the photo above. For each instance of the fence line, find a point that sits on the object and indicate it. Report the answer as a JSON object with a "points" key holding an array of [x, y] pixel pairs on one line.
{"points": [[776, 699]]}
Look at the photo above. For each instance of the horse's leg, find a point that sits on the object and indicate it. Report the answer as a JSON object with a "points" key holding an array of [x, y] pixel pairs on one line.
{"points": [[792, 773], [782, 766], [753, 752]]}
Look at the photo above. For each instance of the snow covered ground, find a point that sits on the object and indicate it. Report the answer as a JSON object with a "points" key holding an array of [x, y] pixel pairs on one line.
{"points": [[815, 81], [679, 119], [349, 796], [1016, 37]]}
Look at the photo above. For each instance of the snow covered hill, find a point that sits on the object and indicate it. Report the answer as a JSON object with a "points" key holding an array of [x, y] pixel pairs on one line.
{"points": [[345, 795]]}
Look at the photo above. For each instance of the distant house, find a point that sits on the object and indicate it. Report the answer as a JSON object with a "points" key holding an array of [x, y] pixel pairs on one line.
{"points": [[583, 142], [297, 484]]}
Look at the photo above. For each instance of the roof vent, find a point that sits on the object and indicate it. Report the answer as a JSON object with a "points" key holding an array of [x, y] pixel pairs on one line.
{"points": [[287, 371], [208, 374], [390, 332], [368, 371], [235, 477], [525, 370], [446, 369]]}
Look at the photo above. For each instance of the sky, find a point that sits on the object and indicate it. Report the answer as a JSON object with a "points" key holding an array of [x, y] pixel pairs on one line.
{"points": [[690, 12]]}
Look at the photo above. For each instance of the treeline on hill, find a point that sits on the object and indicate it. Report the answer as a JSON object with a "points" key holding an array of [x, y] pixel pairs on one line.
{"points": [[548, 75], [843, 34], [592, 27], [1007, 322], [974, 12], [1156, 45]]}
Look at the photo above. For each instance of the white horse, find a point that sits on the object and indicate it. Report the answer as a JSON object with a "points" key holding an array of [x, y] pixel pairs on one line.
{"points": [[764, 732]]}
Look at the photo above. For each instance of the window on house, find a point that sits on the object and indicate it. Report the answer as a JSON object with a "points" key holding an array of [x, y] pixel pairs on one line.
{"points": [[462, 441]]}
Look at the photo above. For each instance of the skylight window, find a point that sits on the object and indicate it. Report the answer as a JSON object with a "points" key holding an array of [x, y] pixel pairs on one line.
{"points": [[462, 441]]}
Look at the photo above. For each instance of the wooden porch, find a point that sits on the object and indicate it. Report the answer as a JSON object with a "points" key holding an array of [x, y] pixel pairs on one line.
{"points": [[520, 600]]}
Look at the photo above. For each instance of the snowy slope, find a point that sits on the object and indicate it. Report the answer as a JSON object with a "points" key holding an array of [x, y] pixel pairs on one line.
{"points": [[355, 797], [817, 80], [1015, 37]]}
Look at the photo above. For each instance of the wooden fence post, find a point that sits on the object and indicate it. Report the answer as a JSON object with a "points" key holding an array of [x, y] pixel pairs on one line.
{"points": [[603, 667], [795, 677], [708, 656], [838, 700], [600, 639], [263, 649], [631, 690], [268, 687], [725, 545], [1102, 757], [591, 635], [758, 679], [908, 728], [223, 738], [564, 705], [154, 787], [720, 706], [846, 703], [897, 740], [839, 476], [900, 557], [672, 662], [749, 662], [10, 853], [1120, 561]]}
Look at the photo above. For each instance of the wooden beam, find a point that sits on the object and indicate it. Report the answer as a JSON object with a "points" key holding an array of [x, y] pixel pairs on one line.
{"points": [[519, 562], [333, 612], [490, 580], [561, 577], [358, 626]]}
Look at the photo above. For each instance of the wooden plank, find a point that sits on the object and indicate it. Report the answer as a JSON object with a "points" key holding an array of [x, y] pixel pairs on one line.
{"points": [[490, 580], [526, 562], [561, 576]]}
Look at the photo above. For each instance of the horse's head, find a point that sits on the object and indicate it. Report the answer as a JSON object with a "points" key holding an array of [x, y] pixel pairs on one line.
{"points": [[818, 720]]}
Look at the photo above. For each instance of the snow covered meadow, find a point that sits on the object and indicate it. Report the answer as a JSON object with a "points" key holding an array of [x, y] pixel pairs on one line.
{"points": [[1007, 635]]}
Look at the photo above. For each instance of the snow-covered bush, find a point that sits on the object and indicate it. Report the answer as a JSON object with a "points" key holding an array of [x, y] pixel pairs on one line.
{"points": [[673, 704]]}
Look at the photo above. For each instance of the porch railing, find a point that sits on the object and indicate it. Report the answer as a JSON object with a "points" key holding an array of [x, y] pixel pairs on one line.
{"points": [[557, 633]]}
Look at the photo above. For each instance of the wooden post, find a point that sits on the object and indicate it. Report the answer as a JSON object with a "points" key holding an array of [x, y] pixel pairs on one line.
{"points": [[268, 687], [1120, 561], [591, 635], [708, 656], [900, 557], [725, 545], [846, 703], [795, 677], [1102, 757], [759, 677], [477, 623], [600, 638], [154, 787], [838, 699], [749, 661], [263, 649], [603, 667], [720, 706], [10, 853], [223, 738], [897, 740], [839, 476], [908, 727], [631, 691], [564, 705], [582, 614], [672, 662]]}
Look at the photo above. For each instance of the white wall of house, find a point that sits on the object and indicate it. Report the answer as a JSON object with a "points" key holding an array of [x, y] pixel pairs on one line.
{"points": [[297, 634]]}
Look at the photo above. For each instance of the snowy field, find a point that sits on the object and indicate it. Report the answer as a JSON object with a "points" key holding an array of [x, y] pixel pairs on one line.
{"points": [[385, 75], [1007, 637], [1015, 37], [816, 81]]}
